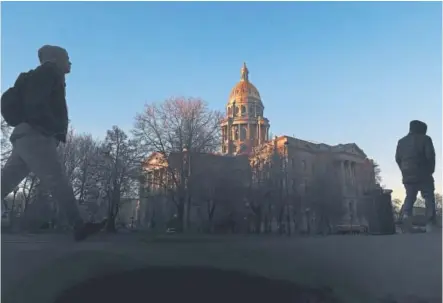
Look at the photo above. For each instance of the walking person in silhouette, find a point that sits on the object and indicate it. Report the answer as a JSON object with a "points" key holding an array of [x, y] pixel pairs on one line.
{"points": [[415, 157], [36, 107]]}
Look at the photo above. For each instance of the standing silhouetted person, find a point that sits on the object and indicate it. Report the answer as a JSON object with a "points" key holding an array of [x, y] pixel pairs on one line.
{"points": [[36, 107], [415, 156]]}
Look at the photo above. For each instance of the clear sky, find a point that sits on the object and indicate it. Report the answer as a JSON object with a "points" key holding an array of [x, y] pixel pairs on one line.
{"points": [[334, 72]]}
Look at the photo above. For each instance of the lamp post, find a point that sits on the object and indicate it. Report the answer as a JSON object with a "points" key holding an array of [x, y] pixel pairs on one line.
{"points": [[288, 219]]}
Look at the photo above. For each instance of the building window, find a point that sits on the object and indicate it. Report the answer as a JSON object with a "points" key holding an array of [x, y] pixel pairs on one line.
{"points": [[236, 111], [243, 110], [236, 132], [243, 132], [251, 111], [303, 165]]}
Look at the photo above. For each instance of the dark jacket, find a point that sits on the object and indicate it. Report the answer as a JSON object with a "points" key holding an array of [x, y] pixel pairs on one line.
{"points": [[415, 155], [45, 102]]}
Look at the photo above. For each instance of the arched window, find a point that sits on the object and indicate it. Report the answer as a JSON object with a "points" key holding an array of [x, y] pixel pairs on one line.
{"points": [[235, 132], [243, 110], [243, 132], [259, 112], [236, 111], [252, 111]]}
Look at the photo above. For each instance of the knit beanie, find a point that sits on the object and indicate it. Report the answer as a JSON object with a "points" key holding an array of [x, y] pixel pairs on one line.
{"points": [[51, 53]]}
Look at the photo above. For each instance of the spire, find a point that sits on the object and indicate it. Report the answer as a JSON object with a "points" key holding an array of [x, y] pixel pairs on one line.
{"points": [[244, 73]]}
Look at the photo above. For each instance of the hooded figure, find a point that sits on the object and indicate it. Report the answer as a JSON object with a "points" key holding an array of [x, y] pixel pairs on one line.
{"points": [[415, 157]]}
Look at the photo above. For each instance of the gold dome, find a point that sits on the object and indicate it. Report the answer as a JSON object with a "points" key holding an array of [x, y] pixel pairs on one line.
{"points": [[244, 90]]}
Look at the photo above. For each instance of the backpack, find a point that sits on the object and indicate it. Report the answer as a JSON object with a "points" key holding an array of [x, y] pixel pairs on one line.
{"points": [[12, 103]]}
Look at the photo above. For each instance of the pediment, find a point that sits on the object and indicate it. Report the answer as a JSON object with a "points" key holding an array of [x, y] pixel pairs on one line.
{"points": [[350, 148]]}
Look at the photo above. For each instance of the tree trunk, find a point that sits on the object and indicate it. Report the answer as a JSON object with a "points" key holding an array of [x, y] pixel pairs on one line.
{"points": [[180, 213], [110, 226], [113, 209], [211, 211], [288, 221], [188, 213], [258, 221], [308, 222], [280, 221]]}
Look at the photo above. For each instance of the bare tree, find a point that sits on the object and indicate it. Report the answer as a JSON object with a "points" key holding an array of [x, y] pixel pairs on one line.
{"points": [[182, 126], [273, 198], [205, 190], [28, 187], [5, 143], [438, 202], [377, 172], [67, 154], [265, 192], [117, 171], [86, 150], [396, 206]]}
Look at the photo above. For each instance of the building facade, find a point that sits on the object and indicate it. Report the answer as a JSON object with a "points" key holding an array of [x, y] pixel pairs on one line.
{"points": [[310, 173], [339, 175]]}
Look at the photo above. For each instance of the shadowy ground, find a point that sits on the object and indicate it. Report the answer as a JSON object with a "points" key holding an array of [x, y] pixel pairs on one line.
{"points": [[191, 284], [356, 268]]}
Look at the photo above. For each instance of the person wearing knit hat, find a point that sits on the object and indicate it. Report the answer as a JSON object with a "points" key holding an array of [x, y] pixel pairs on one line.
{"points": [[41, 123], [57, 55]]}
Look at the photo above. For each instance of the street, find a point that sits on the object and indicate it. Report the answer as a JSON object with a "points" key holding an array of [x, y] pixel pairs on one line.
{"points": [[357, 268]]}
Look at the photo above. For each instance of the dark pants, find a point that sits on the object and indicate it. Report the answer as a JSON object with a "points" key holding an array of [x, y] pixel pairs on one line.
{"points": [[427, 192], [33, 152]]}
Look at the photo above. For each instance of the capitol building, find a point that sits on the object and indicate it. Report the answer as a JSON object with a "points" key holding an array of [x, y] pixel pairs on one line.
{"points": [[305, 171]]}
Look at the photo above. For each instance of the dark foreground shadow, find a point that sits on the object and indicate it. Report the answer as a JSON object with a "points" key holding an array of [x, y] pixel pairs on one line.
{"points": [[190, 284]]}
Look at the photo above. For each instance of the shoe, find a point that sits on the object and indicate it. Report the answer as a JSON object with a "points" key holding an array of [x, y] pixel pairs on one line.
{"points": [[407, 226], [429, 227], [432, 227], [84, 230]]}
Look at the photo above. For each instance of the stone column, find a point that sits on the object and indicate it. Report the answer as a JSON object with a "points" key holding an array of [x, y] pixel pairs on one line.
{"points": [[347, 175], [223, 135], [259, 134], [343, 173], [352, 172]]}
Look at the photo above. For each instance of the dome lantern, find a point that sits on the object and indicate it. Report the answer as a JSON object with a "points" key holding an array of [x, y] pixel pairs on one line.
{"points": [[244, 73]]}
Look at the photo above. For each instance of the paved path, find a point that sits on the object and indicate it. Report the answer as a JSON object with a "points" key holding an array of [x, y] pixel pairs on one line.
{"points": [[358, 268]]}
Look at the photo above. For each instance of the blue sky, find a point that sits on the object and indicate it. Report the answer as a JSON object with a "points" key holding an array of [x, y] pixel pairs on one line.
{"points": [[329, 72]]}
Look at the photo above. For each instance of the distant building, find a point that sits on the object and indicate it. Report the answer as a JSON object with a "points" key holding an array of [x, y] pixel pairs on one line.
{"points": [[246, 146], [245, 130]]}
